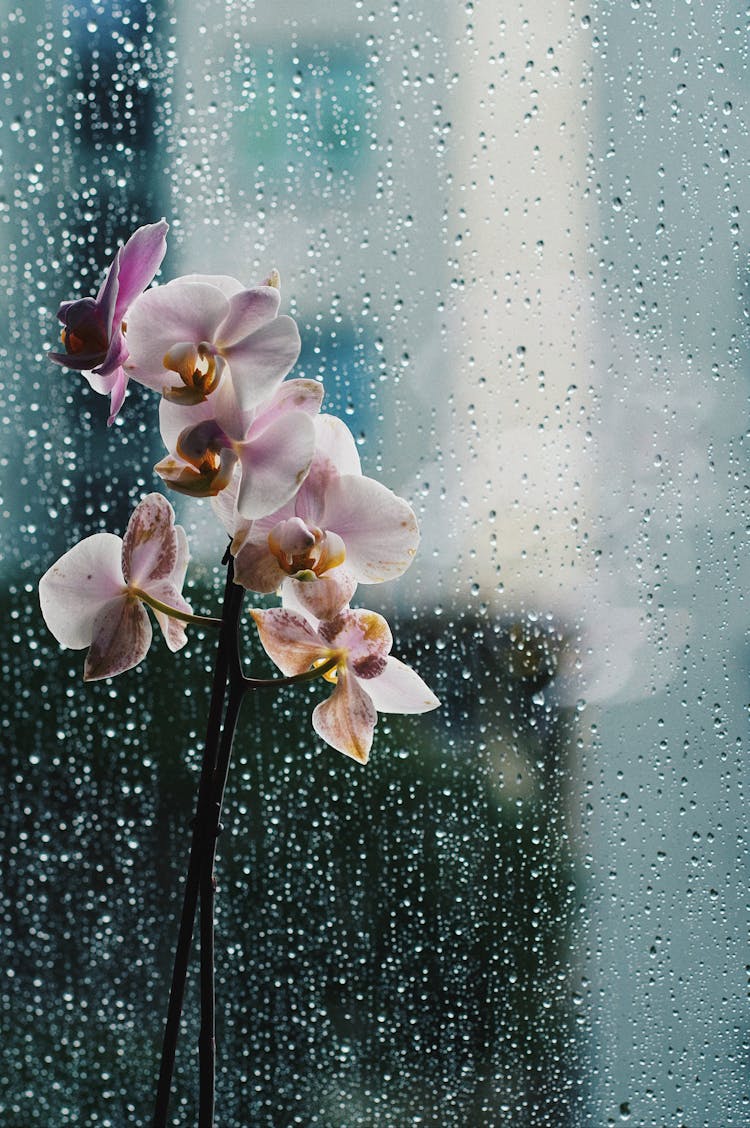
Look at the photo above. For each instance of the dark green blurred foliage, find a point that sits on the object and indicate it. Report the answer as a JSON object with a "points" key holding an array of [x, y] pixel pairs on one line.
{"points": [[391, 940]]}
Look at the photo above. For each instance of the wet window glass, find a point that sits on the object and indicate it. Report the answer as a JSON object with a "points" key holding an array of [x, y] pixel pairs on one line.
{"points": [[513, 237]]}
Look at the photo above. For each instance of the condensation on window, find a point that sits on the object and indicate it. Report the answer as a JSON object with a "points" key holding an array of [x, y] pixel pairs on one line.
{"points": [[513, 237]]}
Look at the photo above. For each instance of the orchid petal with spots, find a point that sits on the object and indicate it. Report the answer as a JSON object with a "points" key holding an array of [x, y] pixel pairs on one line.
{"points": [[360, 641], [92, 596]]}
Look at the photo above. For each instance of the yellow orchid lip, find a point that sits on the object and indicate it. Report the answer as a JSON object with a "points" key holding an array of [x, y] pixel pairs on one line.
{"points": [[331, 676]]}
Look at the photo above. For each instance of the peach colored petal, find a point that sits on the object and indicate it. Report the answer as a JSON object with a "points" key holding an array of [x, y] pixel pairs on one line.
{"points": [[289, 640], [347, 719]]}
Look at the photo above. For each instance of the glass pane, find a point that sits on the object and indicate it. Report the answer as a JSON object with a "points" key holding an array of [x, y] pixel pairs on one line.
{"points": [[512, 238]]}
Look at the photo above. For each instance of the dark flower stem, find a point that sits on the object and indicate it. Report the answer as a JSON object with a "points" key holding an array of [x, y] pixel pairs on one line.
{"points": [[200, 880], [232, 607], [207, 1038]]}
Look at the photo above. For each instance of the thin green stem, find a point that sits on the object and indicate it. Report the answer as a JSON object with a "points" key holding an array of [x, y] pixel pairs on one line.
{"points": [[183, 616], [294, 679]]}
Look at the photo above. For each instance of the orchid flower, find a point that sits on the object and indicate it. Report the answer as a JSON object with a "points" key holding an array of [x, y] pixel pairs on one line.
{"points": [[367, 680], [271, 446], [182, 337], [340, 527], [93, 596], [93, 328]]}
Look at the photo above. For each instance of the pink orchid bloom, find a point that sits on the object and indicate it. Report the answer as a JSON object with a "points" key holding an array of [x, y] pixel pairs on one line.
{"points": [[92, 597], [269, 449], [182, 337], [340, 527], [93, 329], [366, 678]]}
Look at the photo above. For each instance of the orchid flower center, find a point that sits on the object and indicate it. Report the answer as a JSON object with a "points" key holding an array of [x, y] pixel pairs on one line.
{"points": [[84, 331], [73, 343], [198, 367], [210, 460], [331, 676], [300, 548]]}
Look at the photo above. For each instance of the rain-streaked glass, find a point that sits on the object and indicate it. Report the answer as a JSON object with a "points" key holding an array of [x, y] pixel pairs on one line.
{"points": [[514, 239]]}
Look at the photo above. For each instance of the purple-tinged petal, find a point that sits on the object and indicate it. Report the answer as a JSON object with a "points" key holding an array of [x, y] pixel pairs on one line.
{"points": [[116, 355], [172, 629], [261, 361], [75, 589], [274, 464], [229, 286], [289, 640], [149, 550], [398, 689], [121, 636], [85, 362], [248, 311], [117, 394], [379, 529], [162, 317], [85, 335], [363, 634], [347, 719], [106, 299], [335, 442], [323, 598], [140, 259], [292, 395]]}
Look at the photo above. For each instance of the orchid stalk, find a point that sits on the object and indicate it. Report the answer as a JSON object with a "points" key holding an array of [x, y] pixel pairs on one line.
{"points": [[303, 522]]}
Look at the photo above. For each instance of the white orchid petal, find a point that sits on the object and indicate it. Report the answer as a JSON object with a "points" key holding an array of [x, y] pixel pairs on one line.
{"points": [[248, 311], [274, 464], [175, 417], [292, 395], [379, 529], [323, 598], [74, 590], [228, 285], [227, 411], [261, 361], [334, 441], [399, 689]]}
